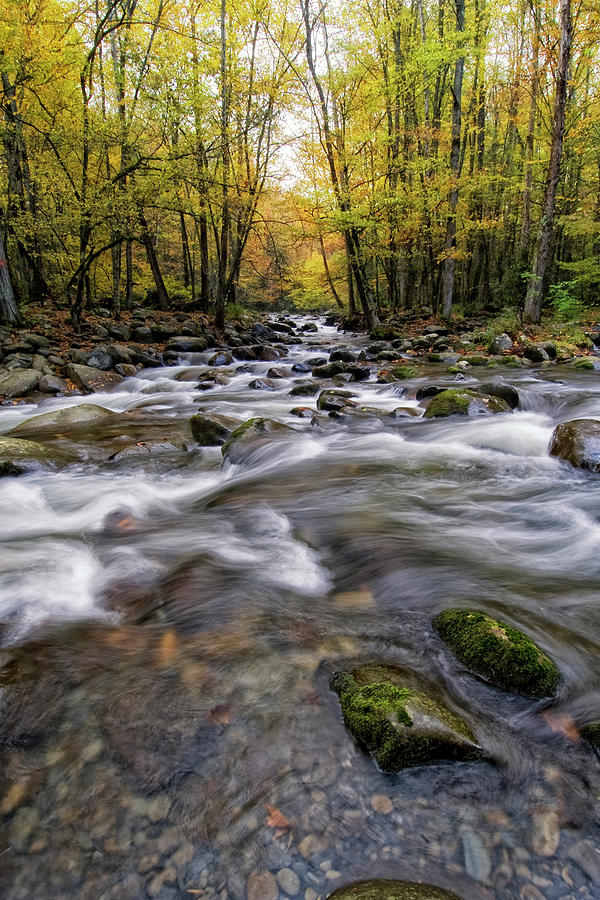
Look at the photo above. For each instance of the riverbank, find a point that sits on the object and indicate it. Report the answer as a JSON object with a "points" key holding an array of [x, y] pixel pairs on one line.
{"points": [[50, 358]]}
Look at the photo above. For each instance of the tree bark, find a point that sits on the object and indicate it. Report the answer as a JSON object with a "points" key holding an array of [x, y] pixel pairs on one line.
{"points": [[533, 300], [9, 310], [450, 242]]}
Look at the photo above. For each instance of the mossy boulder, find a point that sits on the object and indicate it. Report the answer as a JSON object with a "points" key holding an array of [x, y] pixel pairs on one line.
{"points": [[64, 419], [18, 456], [400, 726], [380, 889], [578, 442], [404, 372], [512, 362], [584, 362], [385, 332], [464, 402], [249, 436], [497, 652]]}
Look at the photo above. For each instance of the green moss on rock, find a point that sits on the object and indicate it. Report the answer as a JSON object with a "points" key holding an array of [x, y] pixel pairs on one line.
{"points": [[18, 456], [592, 734], [584, 362], [464, 402], [249, 435], [578, 442], [380, 889], [497, 652], [400, 726]]}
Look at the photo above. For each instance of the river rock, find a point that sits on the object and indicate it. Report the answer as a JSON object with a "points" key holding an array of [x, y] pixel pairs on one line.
{"points": [[90, 379], [144, 450], [185, 344], [18, 456], [61, 419], [464, 402], [18, 383], [212, 430], [304, 389], [101, 359], [506, 392], [497, 652], [578, 442], [535, 353], [400, 726], [391, 890], [501, 343], [52, 384], [261, 886], [250, 435], [262, 384], [334, 399]]}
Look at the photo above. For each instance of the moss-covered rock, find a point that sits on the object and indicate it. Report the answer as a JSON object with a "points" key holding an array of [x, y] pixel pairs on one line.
{"points": [[464, 402], [380, 889], [400, 726], [512, 362], [578, 442], [18, 456], [506, 392], [497, 652], [584, 362], [592, 734], [249, 435], [385, 332], [64, 419], [403, 372]]}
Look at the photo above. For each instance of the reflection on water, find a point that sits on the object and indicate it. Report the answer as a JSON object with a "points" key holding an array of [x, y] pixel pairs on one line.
{"points": [[169, 627]]}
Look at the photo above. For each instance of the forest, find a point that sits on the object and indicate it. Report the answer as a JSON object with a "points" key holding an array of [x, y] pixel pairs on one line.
{"points": [[372, 156]]}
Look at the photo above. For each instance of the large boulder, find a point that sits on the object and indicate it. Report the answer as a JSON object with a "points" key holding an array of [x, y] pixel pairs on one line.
{"points": [[249, 436], [506, 392], [18, 456], [498, 652], [398, 725], [501, 343], [63, 419], [464, 402], [578, 442], [90, 379], [212, 430], [18, 383], [380, 889]]}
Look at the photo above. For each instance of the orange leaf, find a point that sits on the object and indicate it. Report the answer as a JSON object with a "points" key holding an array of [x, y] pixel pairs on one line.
{"points": [[166, 649], [276, 819], [562, 724]]}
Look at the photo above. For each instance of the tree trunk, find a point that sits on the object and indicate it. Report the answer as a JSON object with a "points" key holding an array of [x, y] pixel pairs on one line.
{"points": [[450, 242], [533, 300], [148, 242], [9, 311], [529, 142], [335, 294]]}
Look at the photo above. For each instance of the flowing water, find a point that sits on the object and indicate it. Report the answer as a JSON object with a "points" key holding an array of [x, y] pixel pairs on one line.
{"points": [[169, 624]]}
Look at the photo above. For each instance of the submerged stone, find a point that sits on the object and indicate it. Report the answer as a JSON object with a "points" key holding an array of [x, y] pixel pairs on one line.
{"points": [[497, 652], [464, 402], [400, 726], [251, 434], [380, 889], [578, 442], [59, 419]]}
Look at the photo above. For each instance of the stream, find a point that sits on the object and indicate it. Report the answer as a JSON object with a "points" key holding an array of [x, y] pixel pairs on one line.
{"points": [[169, 623]]}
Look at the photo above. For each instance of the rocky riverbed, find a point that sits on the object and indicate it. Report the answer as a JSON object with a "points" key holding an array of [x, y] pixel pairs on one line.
{"points": [[211, 536]]}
